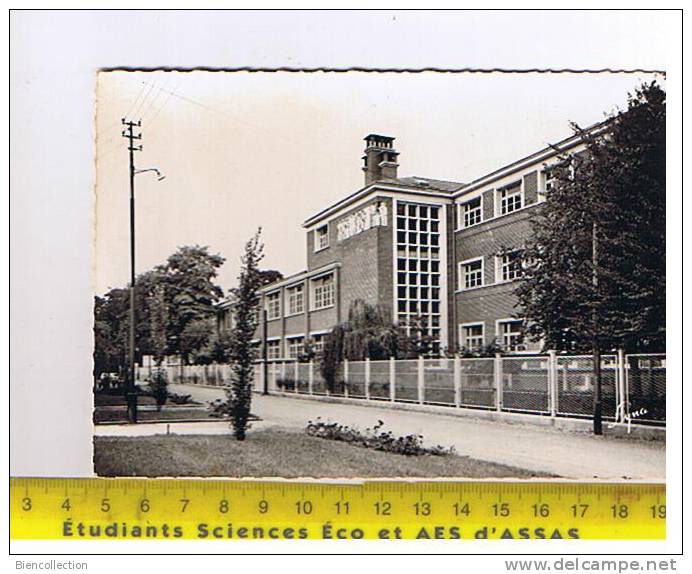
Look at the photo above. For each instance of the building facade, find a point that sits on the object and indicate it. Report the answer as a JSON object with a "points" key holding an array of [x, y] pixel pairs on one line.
{"points": [[438, 257]]}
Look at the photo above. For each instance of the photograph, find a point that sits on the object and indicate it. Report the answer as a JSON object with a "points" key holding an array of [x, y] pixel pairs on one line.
{"points": [[305, 274]]}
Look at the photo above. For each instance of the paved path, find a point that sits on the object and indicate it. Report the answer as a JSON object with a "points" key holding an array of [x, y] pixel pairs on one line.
{"points": [[570, 455]]}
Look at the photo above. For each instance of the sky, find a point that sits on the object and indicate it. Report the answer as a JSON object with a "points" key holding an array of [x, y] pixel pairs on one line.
{"points": [[245, 150]]}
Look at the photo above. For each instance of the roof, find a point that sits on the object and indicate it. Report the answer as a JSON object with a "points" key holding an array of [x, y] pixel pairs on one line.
{"points": [[549, 150], [426, 186], [380, 136], [426, 183]]}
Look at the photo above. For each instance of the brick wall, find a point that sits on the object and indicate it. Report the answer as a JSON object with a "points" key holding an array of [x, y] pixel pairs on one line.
{"points": [[493, 301], [323, 319], [385, 258], [366, 262]]}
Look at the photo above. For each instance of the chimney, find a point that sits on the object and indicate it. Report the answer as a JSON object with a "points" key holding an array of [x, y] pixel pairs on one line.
{"points": [[380, 159]]}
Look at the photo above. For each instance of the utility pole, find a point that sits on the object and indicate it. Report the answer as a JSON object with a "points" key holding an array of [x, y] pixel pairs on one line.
{"points": [[597, 400], [131, 136]]}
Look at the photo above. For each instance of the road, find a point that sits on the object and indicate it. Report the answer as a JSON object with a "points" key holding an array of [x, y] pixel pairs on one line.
{"points": [[566, 454]]}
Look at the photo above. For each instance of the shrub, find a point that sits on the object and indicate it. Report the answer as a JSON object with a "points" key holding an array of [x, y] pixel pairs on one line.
{"points": [[375, 438], [179, 399], [286, 384], [218, 409], [159, 387]]}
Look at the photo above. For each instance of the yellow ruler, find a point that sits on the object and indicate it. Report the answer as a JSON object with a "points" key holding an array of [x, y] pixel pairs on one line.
{"points": [[169, 509]]}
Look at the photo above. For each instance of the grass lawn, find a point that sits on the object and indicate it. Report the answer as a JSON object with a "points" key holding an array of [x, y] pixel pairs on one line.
{"points": [[104, 400], [276, 453]]}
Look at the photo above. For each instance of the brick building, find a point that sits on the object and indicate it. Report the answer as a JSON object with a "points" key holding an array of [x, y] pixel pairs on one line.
{"points": [[442, 255]]}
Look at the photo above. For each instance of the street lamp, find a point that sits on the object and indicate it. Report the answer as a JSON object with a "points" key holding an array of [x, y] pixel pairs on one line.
{"points": [[155, 170]]}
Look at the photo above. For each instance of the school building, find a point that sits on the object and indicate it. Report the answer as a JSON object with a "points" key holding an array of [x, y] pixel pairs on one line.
{"points": [[443, 256]]}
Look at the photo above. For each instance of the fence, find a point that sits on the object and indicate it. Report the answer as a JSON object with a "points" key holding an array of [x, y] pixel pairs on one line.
{"points": [[633, 387]]}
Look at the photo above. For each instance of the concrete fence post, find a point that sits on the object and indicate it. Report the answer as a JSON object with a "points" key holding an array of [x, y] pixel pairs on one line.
{"points": [[498, 381], [421, 380], [367, 378], [296, 373], [622, 396], [457, 382], [552, 383], [346, 378], [311, 376], [392, 379]]}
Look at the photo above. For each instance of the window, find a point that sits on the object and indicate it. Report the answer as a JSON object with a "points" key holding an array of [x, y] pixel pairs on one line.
{"points": [[548, 180], [472, 336], [510, 199], [295, 347], [472, 212], [418, 254], [318, 345], [322, 238], [510, 335], [273, 306], [274, 349], [471, 274], [294, 296], [511, 267], [323, 292]]}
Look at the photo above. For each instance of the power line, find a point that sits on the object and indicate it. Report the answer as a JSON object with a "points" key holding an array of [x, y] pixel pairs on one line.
{"points": [[226, 114], [165, 102]]}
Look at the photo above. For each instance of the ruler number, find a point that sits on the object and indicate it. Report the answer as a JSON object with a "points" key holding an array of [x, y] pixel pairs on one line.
{"points": [[542, 510], [105, 505], [383, 508], [184, 502], [304, 507], [342, 508], [223, 506], [461, 508], [501, 509], [620, 510], [579, 510], [26, 504], [144, 505], [422, 508], [658, 511], [263, 507], [66, 505]]}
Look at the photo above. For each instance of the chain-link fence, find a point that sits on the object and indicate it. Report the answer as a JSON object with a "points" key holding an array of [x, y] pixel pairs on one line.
{"points": [[526, 384], [633, 387], [438, 375], [379, 381], [646, 387], [477, 383], [575, 385]]}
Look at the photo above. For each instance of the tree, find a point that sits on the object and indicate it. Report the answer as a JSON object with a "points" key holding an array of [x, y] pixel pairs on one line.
{"points": [[241, 352], [190, 274], [268, 276], [107, 352], [110, 332], [617, 188], [189, 293], [158, 318], [368, 333], [595, 266]]}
